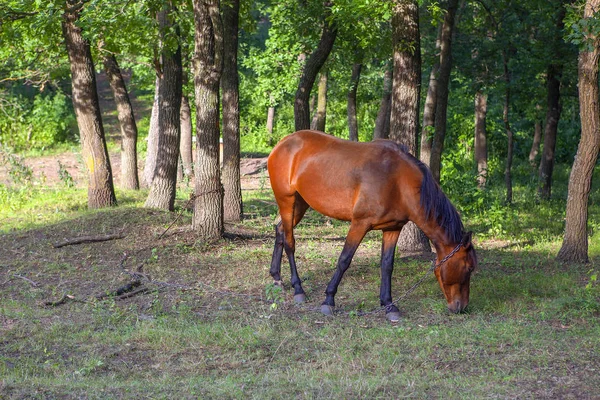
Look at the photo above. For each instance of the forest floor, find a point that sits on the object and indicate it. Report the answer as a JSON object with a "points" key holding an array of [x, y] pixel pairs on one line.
{"points": [[158, 313]]}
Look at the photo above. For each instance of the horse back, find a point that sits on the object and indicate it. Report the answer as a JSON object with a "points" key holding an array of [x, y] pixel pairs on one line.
{"points": [[343, 179]]}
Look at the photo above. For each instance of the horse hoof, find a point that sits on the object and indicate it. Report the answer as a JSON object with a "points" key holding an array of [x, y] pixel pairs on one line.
{"points": [[299, 298], [327, 309], [278, 283], [393, 316]]}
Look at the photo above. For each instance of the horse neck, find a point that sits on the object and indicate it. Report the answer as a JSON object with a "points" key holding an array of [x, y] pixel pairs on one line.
{"points": [[437, 234]]}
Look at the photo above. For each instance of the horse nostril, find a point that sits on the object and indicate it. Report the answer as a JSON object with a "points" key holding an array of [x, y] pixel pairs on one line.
{"points": [[455, 307]]}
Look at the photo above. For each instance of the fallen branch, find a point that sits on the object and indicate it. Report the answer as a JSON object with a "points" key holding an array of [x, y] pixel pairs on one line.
{"points": [[89, 239], [120, 291], [135, 292], [62, 300], [32, 283]]}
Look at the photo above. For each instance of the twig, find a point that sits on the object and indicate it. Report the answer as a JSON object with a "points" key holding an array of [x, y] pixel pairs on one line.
{"points": [[131, 294], [32, 283], [62, 300], [120, 291], [89, 239]]}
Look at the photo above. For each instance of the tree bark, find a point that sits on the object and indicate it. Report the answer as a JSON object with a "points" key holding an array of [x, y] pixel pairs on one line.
{"points": [[575, 244], [311, 69], [550, 132], [164, 185], [270, 122], [537, 139], [509, 133], [129, 133], [382, 122], [481, 138], [208, 67], [554, 108], [404, 120], [437, 146], [429, 108], [320, 118], [101, 191], [152, 143], [352, 121], [185, 145], [232, 200]]}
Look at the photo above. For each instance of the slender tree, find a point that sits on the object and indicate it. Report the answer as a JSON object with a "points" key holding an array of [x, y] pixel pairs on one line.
{"points": [[129, 133], [153, 129], [232, 201], [208, 67], [404, 122], [185, 144], [164, 185], [429, 108], [352, 121], [382, 122], [311, 69], [320, 117], [481, 153], [443, 84], [553, 75], [575, 244], [87, 110]]}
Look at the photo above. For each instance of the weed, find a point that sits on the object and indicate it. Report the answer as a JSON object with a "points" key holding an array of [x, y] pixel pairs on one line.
{"points": [[65, 177]]}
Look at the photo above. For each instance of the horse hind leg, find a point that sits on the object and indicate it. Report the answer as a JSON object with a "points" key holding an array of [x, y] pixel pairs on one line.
{"points": [[290, 215]]}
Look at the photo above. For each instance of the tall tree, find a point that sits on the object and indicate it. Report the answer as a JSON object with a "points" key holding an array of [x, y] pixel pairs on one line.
{"points": [[481, 153], [101, 191], [185, 144], [320, 118], [443, 83], [554, 107], [232, 201], [404, 122], [429, 108], [575, 244], [382, 122], [164, 185], [311, 69], [507, 129], [129, 133], [352, 121], [153, 129], [208, 67]]}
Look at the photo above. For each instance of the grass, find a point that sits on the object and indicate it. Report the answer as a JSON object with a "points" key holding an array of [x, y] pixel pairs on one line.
{"points": [[531, 331]]}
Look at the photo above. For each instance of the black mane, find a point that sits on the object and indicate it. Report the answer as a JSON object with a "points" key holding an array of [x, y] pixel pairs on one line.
{"points": [[437, 206]]}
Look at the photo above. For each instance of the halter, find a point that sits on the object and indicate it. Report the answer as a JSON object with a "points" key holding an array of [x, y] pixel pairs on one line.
{"points": [[453, 252]]}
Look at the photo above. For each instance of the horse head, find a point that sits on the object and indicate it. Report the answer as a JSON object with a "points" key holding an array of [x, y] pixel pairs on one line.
{"points": [[453, 273]]}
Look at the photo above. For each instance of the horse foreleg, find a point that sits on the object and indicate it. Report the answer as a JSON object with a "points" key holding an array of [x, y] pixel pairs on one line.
{"points": [[388, 249], [353, 239]]}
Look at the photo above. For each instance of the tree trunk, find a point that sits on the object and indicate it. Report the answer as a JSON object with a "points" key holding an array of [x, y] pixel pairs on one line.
{"points": [[382, 123], [232, 200], [101, 191], [352, 122], [164, 185], [437, 146], [320, 118], [550, 131], [575, 244], [509, 134], [428, 128], [152, 144], [553, 111], [481, 138], [129, 133], [311, 69], [537, 138], [208, 66], [270, 121], [185, 145], [404, 122]]}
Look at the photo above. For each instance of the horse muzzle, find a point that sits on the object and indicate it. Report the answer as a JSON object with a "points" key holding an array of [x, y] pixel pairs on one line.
{"points": [[457, 306]]}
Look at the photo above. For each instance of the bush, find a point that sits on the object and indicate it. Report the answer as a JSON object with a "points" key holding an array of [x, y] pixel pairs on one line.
{"points": [[37, 123]]}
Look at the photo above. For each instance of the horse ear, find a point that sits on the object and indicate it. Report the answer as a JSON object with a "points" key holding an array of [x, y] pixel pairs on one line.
{"points": [[466, 240]]}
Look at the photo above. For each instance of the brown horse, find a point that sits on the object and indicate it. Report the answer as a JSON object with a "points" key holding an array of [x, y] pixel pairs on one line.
{"points": [[374, 185]]}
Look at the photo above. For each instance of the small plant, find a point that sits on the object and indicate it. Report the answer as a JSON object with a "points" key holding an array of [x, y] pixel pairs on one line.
{"points": [[274, 294], [65, 177], [19, 172]]}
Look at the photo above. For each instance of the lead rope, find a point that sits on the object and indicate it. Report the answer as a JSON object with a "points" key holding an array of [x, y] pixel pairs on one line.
{"points": [[413, 287]]}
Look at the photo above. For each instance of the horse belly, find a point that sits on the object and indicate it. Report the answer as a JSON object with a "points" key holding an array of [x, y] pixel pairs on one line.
{"points": [[326, 196]]}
